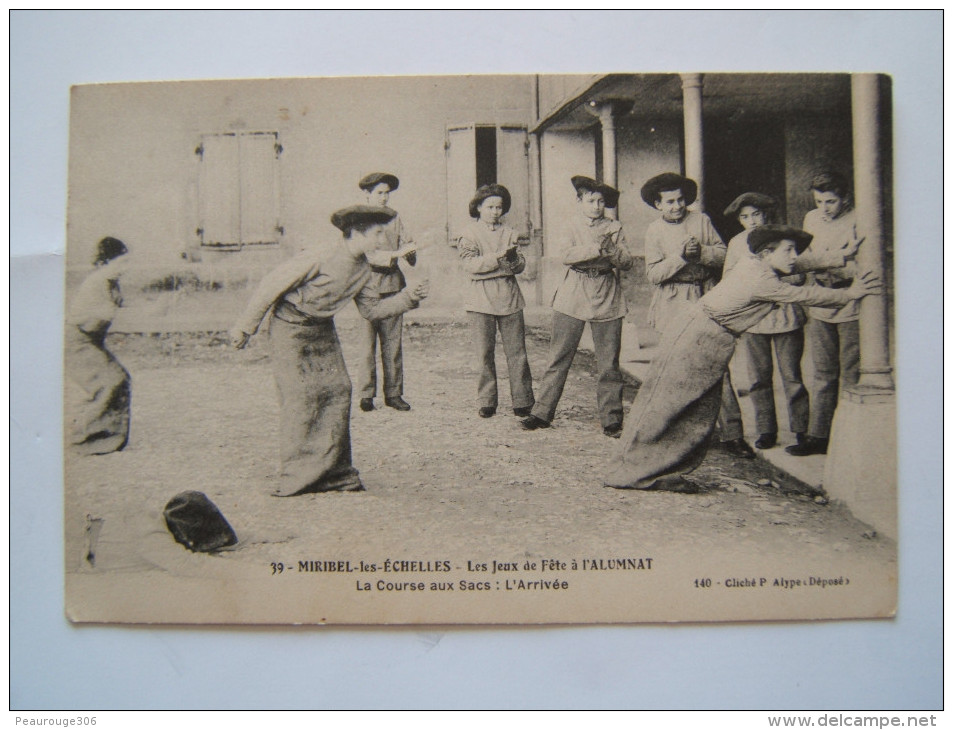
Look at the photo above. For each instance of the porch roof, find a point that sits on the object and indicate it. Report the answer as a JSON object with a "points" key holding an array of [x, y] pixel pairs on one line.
{"points": [[724, 94]]}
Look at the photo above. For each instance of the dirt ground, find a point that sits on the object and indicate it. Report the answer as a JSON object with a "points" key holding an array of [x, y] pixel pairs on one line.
{"points": [[205, 417]]}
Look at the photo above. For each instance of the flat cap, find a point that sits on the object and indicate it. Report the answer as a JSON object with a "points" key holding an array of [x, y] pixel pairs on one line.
{"points": [[762, 236], [755, 200], [347, 218], [489, 191], [609, 193], [653, 189], [369, 182]]}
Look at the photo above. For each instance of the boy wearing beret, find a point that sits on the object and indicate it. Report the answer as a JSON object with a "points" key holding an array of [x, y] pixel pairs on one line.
{"points": [[490, 255], [684, 256], [674, 413], [781, 328], [314, 389], [388, 280], [589, 292]]}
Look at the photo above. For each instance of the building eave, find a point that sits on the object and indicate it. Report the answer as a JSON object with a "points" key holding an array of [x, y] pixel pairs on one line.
{"points": [[572, 102]]}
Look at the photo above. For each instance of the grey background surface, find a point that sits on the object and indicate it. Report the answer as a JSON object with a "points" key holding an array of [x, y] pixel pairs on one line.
{"points": [[847, 665]]}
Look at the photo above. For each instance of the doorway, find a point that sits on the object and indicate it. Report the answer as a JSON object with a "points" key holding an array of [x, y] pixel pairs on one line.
{"points": [[742, 155]]}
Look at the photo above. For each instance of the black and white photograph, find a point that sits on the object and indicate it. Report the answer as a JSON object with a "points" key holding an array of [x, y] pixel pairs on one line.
{"points": [[481, 349], [477, 359]]}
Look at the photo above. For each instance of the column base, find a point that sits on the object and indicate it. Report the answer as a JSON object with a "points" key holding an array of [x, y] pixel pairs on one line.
{"points": [[872, 381], [861, 466]]}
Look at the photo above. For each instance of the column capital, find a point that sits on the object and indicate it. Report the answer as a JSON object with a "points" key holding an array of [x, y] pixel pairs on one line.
{"points": [[692, 80], [607, 110]]}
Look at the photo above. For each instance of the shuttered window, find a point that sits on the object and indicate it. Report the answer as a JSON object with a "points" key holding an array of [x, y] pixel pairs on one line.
{"points": [[482, 154], [238, 189]]}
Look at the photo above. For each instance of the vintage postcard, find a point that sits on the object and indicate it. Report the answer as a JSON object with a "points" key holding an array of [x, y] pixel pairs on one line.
{"points": [[523, 349]]}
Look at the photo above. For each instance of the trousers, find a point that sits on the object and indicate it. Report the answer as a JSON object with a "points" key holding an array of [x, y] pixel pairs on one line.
{"points": [[513, 333], [390, 333], [729, 415], [788, 347], [607, 340], [836, 349]]}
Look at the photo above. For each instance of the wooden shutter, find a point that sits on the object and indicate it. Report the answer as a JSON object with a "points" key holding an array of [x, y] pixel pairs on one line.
{"points": [[258, 153], [512, 171], [461, 178], [238, 189], [219, 190]]}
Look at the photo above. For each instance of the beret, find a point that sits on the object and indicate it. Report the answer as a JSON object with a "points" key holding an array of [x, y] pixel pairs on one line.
{"points": [[763, 235], [347, 218], [369, 182], [609, 193], [109, 248], [488, 191], [755, 200], [653, 189]]}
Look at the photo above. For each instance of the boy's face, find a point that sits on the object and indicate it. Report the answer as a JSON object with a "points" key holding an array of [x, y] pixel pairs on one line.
{"points": [[379, 195], [363, 242], [593, 204], [829, 203], [672, 205], [491, 209], [750, 217], [782, 258]]}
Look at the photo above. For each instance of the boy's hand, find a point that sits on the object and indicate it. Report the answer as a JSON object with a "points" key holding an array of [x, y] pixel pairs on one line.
{"points": [[692, 249], [864, 285], [851, 246], [239, 339], [420, 291]]}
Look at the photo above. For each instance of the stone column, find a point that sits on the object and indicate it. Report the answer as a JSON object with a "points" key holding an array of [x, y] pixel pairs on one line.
{"points": [[866, 102], [694, 147], [861, 465], [605, 111], [536, 248]]}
